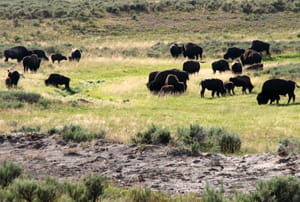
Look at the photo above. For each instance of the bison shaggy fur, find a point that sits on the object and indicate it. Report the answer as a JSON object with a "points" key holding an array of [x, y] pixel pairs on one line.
{"points": [[215, 85], [260, 46], [233, 53], [251, 57], [58, 57], [31, 62], [12, 78], [237, 67], [242, 81], [57, 79], [175, 50], [191, 66], [220, 65]]}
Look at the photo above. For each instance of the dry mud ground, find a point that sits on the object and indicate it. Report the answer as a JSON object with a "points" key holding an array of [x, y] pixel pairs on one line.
{"points": [[162, 168]]}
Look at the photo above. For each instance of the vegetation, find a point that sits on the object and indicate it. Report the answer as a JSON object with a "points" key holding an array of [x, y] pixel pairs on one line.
{"points": [[153, 135]]}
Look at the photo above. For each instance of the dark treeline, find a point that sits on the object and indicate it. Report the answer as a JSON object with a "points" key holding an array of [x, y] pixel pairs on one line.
{"points": [[82, 9]]}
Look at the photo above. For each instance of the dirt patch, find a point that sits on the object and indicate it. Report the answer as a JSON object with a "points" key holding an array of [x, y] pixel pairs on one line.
{"points": [[162, 168]]}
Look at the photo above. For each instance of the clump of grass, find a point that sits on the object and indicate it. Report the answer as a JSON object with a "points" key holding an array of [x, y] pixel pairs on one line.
{"points": [[197, 139], [288, 147], [28, 129], [76, 133], [8, 172], [17, 99], [290, 71], [153, 135]]}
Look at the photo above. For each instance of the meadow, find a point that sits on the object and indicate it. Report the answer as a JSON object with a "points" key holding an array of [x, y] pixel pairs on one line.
{"points": [[120, 50]]}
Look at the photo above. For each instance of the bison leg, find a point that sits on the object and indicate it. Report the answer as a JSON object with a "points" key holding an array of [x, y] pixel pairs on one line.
{"points": [[291, 95], [213, 93], [202, 92]]}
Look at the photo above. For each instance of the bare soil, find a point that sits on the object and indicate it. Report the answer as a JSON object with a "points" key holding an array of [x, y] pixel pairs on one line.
{"points": [[163, 168]]}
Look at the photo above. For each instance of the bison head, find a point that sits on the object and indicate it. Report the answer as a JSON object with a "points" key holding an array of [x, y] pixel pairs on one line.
{"points": [[262, 99]]}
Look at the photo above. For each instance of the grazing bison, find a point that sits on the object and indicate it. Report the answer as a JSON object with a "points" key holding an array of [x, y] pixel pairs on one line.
{"points": [[251, 57], [220, 65], [75, 55], [151, 77], [175, 50], [17, 52], [160, 78], [12, 78], [229, 87], [215, 85], [236, 67], [58, 57], [31, 62], [40, 53], [255, 67], [192, 51], [174, 81], [167, 89], [242, 81], [233, 53], [57, 79], [272, 88], [191, 66], [260, 46]]}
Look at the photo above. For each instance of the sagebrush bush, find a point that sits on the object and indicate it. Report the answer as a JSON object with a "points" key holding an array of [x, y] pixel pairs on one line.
{"points": [[153, 135], [24, 189], [230, 143], [8, 172], [8, 96], [76, 133], [28, 129], [95, 185]]}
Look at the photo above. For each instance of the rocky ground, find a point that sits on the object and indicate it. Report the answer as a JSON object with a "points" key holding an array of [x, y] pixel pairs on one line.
{"points": [[162, 168]]}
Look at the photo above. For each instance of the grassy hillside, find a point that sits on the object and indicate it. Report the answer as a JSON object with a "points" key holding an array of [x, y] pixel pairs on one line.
{"points": [[121, 49]]}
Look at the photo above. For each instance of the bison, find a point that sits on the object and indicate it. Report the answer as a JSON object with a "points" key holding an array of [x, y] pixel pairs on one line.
{"points": [[233, 53], [272, 88], [40, 53], [191, 67], [31, 62], [242, 81], [174, 81], [17, 52], [12, 78], [57, 79], [215, 85], [229, 87], [160, 78], [58, 57], [75, 55], [255, 67], [167, 89], [192, 51], [220, 65], [175, 50], [250, 57], [236, 67], [260, 46]]}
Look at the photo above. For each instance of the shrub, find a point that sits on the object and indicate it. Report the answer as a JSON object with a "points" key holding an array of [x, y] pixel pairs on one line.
{"points": [[76, 133], [75, 191], [139, 195], [288, 147], [28, 129], [196, 138], [95, 185], [24, 189], [8, 172], [48, 190], [153, 135], [214, 195], [289, 71]]}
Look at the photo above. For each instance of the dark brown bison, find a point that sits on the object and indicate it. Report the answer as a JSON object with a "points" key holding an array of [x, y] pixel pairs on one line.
{"points": [[220, 65], [242, 81], [57, 79], [260, 46], [17, 52], [151, 77], [75, 55], [58, 57], [40, 53], [229, 87], [215, 85], [192, 51], [236, 67], [12, 78], [175, 50], [251, 57], [167, 89], [160, 78], [179, 86], [255, 67], [191, 67], [233, 53], [31, 62], [272, 88]]}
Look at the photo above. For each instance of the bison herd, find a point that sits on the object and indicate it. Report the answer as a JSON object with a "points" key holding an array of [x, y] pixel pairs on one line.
{"points": [[174, 81], [31, 60]]}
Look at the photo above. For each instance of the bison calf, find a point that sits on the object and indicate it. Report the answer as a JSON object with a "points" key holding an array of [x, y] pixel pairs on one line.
{"points": [[57, 79], [229, 87], [12, 79], [215, 85], [58, 57]]}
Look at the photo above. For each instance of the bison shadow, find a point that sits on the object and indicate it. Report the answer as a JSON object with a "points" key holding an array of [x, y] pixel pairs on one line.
{"points": [[286, 104]]}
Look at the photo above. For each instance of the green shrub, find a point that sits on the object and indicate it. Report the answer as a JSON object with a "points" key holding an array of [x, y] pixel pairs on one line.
{"points": [[214, 195], [8, 172], [288, 71], [279, 189], [24, 189], [143, 195], [28, 129], [95, 185], [76, 134], [8, 96], [288, 147], [76, 191], [153, 135], [196, 139]]}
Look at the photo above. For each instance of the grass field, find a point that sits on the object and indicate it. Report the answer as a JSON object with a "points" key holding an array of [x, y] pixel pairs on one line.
{"points": [[120, 51]]}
